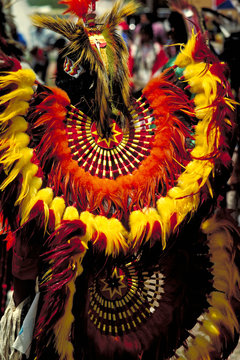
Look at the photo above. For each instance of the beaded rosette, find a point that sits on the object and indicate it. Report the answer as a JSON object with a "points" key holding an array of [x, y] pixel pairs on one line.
{"points": [[121, 153]]}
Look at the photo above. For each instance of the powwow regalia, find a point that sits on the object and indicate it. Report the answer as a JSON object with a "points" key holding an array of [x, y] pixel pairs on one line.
{"points": [[112, 204]]}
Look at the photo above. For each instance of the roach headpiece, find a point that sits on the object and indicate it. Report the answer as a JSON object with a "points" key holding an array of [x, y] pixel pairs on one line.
{"points": [[95, 59]]}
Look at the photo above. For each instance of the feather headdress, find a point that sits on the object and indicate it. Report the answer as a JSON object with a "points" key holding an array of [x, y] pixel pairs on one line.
{"points": [[100, 51]]}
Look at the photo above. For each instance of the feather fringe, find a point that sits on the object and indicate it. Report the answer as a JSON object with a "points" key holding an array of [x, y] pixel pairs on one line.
{"points": [[62, 329], [145, 225], [213, 104], [215, 115], [65, 255], [144, 183], [16, 158], [217, 326], [110, 236]]}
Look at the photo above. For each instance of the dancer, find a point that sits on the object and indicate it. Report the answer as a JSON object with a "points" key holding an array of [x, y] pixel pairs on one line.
{"points": [[120, 247]]}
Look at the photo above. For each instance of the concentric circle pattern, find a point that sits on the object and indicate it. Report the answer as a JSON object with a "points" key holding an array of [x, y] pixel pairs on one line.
{"points": [[124, 298], [118, 155]]}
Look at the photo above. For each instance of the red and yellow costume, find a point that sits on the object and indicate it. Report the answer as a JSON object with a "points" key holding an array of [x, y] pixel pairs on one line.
{"points": [[118, 200]]}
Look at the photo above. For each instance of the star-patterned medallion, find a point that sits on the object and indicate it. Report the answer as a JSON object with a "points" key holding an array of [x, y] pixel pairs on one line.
{"points": [[118, 155], [113, 141], [124, 298], [114, 286]]}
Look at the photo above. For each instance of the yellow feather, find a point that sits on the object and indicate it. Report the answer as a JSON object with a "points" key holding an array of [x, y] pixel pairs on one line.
{"points": [[220, 314], [28, 173], [22, 77], [22, 93], [89, 220], [215, 314], [62, 328], [184, 58], [210, 328], [220, 302], [17, 100], [226, 279], [34, 187], [116, 234], [58, 207], [21, 139], [18, 124], [26, 155], [203, 347], [46, 195], [184, 198], [15, 142], [139, 221], [192, 353], [165, 207], [13, 150], [15, 108], [9, 157], [70, 213]]}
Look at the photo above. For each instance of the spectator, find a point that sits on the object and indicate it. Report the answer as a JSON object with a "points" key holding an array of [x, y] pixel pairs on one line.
{"points": [[42, 42], [146, 58], [159, 33]]}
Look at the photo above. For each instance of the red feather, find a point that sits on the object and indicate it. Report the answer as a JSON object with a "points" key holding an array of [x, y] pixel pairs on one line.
{"points": [[64, 243], [202, 52], [77, 7]]}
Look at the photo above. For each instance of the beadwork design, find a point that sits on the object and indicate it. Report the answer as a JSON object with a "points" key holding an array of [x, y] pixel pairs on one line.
{"points": [[121, 153], [124, 299]]}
